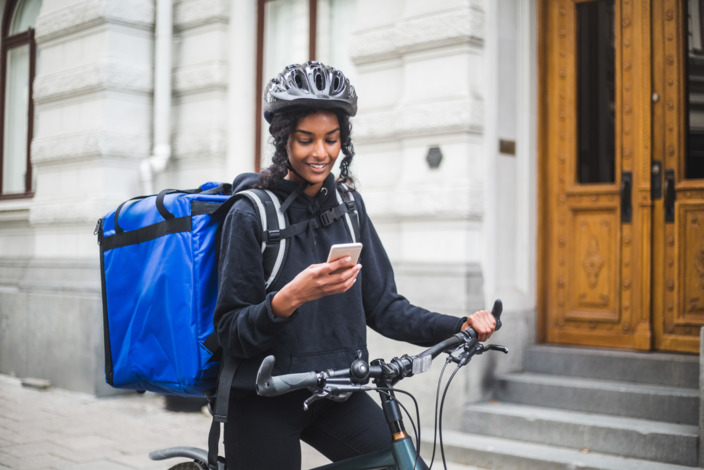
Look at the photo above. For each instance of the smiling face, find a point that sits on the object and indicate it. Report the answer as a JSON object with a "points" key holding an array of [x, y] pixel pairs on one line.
{"points": [[313, 148]]}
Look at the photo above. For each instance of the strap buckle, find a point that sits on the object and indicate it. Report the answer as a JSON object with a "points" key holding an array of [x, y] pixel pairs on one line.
{"points": [[327, 217], [273, 236]]}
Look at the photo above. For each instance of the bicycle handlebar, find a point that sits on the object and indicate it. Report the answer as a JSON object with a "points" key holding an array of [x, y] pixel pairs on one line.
{"points": [[360, 372]]}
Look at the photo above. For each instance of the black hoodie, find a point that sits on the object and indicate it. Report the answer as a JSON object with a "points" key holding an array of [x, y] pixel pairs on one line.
{"points": [[326, 333]]}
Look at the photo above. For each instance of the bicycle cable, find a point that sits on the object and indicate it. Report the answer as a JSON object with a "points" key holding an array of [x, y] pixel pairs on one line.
{"points": [[435, 423], [416, 431], [442, 406]]}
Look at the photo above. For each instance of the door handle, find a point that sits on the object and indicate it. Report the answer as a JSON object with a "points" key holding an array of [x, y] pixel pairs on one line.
{"points": [[656, 179], [670, 196], [626, 203]]}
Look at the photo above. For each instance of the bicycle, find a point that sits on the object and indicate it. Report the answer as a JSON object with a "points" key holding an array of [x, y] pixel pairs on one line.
{"points": [[338, 384]]}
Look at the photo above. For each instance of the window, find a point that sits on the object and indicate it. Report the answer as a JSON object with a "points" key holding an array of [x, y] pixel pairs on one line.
{"points": [[19, 54], [596, 125], [295, 31]]}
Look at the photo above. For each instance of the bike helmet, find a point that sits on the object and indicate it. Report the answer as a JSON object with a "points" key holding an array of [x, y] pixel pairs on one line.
{"points": [[311, 84]]}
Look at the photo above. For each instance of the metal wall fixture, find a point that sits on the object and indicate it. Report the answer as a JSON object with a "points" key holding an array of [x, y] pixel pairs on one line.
{"points": [[434, 157]]}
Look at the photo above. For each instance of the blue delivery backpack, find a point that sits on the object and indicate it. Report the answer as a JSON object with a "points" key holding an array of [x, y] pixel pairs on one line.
{"points": [[159, 284], [158, 258]]}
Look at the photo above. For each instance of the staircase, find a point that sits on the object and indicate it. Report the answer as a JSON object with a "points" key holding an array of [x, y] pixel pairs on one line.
{"points": [[579, 408]]}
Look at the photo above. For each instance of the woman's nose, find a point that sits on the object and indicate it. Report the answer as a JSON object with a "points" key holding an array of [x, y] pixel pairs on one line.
{"points": [[318, 149]]}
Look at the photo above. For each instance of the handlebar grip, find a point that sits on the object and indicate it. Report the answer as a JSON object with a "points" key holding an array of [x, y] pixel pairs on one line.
{"points": [[496, 311], [268, 386]]}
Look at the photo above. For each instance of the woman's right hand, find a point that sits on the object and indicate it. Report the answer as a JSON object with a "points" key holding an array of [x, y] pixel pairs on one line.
{"points": [[314, 282]]}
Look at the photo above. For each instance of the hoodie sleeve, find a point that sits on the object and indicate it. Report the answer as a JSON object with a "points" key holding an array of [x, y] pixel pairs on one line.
{"points": [[243, 318], [388, 312]]}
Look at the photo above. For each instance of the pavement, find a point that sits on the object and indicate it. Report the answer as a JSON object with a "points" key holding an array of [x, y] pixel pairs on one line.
{"points": [[54, 429]]}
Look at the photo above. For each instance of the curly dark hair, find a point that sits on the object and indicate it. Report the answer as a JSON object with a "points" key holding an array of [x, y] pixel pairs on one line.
{"points": [[283, 124]]}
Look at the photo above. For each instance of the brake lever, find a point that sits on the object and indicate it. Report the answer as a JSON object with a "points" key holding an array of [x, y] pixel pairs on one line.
{"points": [[496, 347], [327, 394], [464, 353], [317, 395]]}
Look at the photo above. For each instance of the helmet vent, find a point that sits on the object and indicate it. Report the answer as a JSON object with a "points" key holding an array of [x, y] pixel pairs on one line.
{"points": [[319, 81], [299, 80]]}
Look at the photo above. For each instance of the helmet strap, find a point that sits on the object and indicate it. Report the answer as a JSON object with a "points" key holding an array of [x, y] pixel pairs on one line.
{"points": [[293, 170]]}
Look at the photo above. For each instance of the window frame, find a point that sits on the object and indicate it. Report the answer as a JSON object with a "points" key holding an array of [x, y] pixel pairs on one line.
{"points": [[10, 42], [259, 74]]}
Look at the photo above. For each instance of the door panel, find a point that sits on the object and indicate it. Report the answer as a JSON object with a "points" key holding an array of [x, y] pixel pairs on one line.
{"points": [[595, 238], [597, 203], [678, 216]]}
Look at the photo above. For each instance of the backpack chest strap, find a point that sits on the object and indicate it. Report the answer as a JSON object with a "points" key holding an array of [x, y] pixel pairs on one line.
{"points": [[321, 220]]}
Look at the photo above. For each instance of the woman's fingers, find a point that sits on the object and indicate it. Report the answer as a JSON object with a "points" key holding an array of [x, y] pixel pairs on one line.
{"points": [[319, 280]]}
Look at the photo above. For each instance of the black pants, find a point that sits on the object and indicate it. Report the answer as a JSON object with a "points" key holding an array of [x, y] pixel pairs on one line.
{"points": [[264, 433]]}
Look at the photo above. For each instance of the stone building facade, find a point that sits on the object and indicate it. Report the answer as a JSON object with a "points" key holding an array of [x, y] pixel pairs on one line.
{"points": [[132, 96]]}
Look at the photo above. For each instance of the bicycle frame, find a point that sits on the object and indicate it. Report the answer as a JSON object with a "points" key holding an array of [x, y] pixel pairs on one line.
{"points": [[401, 456]]}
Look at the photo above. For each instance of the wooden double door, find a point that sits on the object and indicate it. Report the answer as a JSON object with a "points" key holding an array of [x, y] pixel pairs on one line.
{"points": [[621, 173]]}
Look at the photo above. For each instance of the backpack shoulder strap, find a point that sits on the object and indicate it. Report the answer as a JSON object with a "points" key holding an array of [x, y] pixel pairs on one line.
{"points": [[219, 406], [273, 221], [351, 216]]}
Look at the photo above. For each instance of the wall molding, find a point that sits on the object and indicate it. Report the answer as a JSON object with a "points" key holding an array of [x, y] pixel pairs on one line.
{"points": [[447, 28], [58, 276], [108, 74], [193, 13], [85, 14], [421, 119], [201, 77], [65, 148]]}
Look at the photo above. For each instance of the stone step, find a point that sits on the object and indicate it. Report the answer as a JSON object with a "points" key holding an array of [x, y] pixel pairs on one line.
{"points": [[653, 402], [504, 454], [626, 437], [669, 369]]}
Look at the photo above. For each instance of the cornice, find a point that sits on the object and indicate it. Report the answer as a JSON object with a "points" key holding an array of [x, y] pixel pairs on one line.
{"points": [[204, 76], [448, 28], [85, 145], [193, 13], [88, 13], [88, 78], [438, 117]]}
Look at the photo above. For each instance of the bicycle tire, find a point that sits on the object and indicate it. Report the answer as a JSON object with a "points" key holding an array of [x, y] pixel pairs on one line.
{"points": [[188, 466]]}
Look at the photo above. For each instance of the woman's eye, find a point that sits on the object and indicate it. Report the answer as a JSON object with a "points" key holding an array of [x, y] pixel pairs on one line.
{"points": [[305, 142], [331, 141]]}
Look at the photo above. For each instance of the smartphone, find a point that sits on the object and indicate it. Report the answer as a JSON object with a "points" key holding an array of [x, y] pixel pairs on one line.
{"points": [[345, 249]]}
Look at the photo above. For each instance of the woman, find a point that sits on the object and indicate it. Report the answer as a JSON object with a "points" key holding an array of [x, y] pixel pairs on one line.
{"points": [[314, 315]]}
